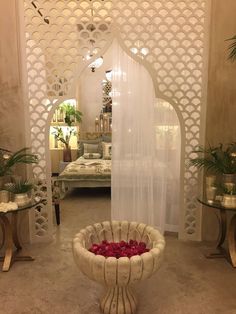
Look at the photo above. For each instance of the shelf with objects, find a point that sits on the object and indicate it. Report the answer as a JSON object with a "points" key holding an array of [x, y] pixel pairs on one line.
{"points": [[63, 136], [103, 123]]}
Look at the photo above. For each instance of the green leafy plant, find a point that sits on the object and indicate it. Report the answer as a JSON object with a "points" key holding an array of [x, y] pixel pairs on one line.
{"points": [[216, 159], [232, 48], [71, 114], [64, 138], [19, 187], [8, 160]]}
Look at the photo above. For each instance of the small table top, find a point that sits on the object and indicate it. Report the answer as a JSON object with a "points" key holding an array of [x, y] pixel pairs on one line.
{"points": [[31, 204], [214, 204]]}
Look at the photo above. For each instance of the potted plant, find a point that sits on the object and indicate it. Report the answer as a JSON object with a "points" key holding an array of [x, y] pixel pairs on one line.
{"points": [[217, 160], [21, 191], [64, 137], [71, 115], [8, 160], [229, 195]]}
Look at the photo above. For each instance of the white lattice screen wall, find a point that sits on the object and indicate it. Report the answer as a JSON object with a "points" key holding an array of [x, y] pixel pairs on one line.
{"points": [[167, 36]]}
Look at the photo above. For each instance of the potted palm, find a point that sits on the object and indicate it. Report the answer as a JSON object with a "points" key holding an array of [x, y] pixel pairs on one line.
{"points": [[8, 160], [71, 114], [20, 190], [217, 160]]}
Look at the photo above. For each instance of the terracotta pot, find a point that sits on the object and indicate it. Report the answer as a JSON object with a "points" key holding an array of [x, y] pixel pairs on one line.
{"points": [[67, 154]]}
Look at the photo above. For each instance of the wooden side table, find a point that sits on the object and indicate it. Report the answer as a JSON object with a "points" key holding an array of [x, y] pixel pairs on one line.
{"points": [[11, 238], [230, 253]]}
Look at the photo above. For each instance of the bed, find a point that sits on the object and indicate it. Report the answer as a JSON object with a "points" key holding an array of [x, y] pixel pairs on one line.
{"points": [[92, 169]]}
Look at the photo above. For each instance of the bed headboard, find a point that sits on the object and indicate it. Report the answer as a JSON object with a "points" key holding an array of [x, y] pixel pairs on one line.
{"points": [[92, 138], [93, 135]]}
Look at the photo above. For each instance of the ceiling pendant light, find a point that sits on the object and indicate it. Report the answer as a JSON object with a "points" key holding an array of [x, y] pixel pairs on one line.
{"points": [[96, 64]]}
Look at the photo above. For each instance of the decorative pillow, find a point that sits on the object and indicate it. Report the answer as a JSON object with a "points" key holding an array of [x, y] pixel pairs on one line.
{"points": [[82, 142], [91, 148], [106, 150], [92, 155]]}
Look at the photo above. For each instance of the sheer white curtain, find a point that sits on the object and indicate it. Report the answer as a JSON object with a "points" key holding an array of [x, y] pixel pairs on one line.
{"points": [[139, 180], [168, 150]]}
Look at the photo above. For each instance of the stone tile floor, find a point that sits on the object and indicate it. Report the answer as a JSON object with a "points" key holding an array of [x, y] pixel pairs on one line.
{"points": [[187, 282]]}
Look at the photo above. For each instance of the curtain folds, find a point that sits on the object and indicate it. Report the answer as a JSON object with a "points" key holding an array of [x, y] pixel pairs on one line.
{"points": [[138, 190], [145, 151]]}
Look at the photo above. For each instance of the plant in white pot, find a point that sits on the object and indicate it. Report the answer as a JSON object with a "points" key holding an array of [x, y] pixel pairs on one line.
{"points": [[218, 160], [229, 195], [21, 191], [8, 161]]}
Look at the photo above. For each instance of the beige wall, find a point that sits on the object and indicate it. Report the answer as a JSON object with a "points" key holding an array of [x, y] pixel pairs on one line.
{"points": [[12, 126], [12, 134], [221, 106], [221, 109]]}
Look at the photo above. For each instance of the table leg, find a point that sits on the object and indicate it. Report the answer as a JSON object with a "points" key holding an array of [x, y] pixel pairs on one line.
{"points": [[14, 231], [223, 227], [219, 251], [57, 212], [232, 240], [3, 234], [11, 238], [7, 259]]}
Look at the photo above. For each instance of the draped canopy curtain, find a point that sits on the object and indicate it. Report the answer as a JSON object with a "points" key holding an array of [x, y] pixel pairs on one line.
{"points": [[138, 180]]}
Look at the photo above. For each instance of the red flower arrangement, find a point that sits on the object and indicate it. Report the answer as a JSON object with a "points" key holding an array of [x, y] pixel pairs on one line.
{"points": [[119, 249]]}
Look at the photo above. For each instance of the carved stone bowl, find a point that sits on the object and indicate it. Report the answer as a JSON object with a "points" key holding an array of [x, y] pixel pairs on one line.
{"points": [[118, 274]]}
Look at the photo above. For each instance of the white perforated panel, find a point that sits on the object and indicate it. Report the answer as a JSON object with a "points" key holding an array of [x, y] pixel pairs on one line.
{"points": [[167, 36]]}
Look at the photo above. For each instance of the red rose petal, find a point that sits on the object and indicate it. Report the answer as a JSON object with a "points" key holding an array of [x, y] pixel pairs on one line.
{"points": [[119, 249]]}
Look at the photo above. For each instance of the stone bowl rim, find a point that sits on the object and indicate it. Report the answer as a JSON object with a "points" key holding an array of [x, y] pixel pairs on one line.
{"points": [[160, 240]]}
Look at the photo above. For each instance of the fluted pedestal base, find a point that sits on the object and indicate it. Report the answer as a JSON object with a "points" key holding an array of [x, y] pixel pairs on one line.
{"points": [[119, 300]]}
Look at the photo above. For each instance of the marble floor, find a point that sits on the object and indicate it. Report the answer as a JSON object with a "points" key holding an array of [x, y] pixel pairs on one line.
{"points": [[187, 282]]}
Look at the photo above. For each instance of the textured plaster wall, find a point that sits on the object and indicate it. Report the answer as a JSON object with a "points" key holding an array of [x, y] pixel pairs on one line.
{"points": [[12, 134], [12, 125], [221, 106]]}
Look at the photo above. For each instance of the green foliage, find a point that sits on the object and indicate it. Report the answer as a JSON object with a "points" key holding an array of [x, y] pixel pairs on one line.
{"points": [[232, 48], [64, 138], [19, 187], [8, 160], [71, 114], [216, 159]]}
